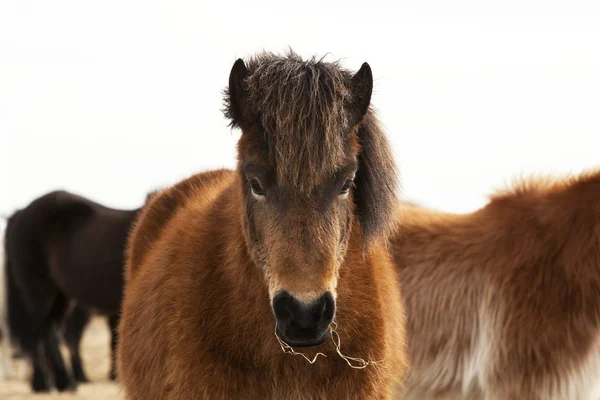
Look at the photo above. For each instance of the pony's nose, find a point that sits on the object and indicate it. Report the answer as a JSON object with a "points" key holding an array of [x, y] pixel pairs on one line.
{"points": [[303, 324]]}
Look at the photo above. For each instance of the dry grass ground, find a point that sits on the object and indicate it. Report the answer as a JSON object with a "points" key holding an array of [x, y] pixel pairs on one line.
{"points": [[95, 352]]}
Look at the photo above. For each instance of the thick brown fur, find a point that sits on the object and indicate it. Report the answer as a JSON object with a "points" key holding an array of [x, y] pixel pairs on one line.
{"points": [[208, 254], [504, 303]]}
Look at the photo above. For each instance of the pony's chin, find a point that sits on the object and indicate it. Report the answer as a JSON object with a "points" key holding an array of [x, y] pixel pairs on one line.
{"points": [[304, 342]]}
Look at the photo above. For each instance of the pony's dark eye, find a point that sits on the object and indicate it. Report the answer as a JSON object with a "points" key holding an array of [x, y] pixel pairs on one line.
{"points": [[256, 187], [347, 185]]}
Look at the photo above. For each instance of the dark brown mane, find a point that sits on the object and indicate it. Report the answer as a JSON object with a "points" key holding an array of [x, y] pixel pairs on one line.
{"points": [[305, 112], [301, 106]]}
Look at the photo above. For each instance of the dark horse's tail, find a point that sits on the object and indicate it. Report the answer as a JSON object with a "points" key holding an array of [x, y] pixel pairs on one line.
{"points": [[23, 245], [19, 325], [5, 336]]}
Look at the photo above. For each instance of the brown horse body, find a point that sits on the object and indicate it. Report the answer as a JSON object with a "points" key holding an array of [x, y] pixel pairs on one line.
{"points": [[504, 303], [211, 256]]}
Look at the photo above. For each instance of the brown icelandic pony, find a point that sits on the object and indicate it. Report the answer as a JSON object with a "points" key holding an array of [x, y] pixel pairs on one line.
{"points": [[292, 239], [504, 303]]}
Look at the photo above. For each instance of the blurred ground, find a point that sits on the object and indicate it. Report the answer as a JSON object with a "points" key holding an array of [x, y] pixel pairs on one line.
{"points": [[95, 353]]}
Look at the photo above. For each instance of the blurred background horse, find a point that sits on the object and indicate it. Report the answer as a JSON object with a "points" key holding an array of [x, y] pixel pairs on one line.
{"points": [[63, 258]]}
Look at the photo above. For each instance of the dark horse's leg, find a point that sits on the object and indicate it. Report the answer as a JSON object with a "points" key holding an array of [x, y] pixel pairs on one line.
{"points": [[30, 314], [76, 323], [40, 380], [113, 322], [44, 349], [62, 378], [47, 361]]}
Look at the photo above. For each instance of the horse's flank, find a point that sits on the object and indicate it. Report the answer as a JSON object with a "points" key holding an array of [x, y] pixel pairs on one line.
{"points": [[505, 302]]}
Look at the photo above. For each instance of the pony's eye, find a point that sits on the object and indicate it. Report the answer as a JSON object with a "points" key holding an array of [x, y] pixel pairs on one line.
{"points": [[256, 187], [347, 185]]}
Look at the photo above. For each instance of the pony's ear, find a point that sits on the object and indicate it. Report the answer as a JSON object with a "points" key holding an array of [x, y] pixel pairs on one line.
{"points": [[376, 182], [362, 87], [235, 95], [376, 179]]}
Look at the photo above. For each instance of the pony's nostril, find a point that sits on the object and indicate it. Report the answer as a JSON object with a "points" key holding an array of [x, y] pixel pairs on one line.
{"points": [[282, 305], [320, 308], [327, 307]]}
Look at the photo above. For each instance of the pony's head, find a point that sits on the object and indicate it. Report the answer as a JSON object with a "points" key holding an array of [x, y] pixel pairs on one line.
{"points": [[312, 161]]}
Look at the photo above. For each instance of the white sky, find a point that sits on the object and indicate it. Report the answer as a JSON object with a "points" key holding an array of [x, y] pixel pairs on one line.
{"points": [[112, 98]]}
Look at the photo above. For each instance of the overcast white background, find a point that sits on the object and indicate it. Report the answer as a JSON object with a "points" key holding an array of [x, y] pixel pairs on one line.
{"points": [[110, 99]]}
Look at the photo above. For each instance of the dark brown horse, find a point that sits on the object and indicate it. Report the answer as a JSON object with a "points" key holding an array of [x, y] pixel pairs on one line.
{"points": [[62, 249], [227, 268]]}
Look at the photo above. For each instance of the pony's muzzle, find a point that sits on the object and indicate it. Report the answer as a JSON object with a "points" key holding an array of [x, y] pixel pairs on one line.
{"points": [[303, 324]]}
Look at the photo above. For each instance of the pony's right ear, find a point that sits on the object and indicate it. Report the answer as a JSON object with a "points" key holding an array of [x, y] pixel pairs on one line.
{"points": [[362, 88], [235, 95]]}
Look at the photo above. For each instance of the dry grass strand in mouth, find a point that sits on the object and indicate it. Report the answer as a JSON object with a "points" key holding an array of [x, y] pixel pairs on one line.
{"points": [[360, 363], [290, 350], [353, 362]]}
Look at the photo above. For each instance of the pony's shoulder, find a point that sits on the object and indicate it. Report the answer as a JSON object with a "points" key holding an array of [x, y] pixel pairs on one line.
{"points": [[161, 208], [196, 187]]}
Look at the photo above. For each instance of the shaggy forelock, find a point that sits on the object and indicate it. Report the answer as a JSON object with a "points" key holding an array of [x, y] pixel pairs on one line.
{"points": [[302, 107]]}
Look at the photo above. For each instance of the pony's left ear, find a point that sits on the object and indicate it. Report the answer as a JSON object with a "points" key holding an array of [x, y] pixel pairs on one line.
{"points": [[235, 95], [361, 87], [376, 180]]}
